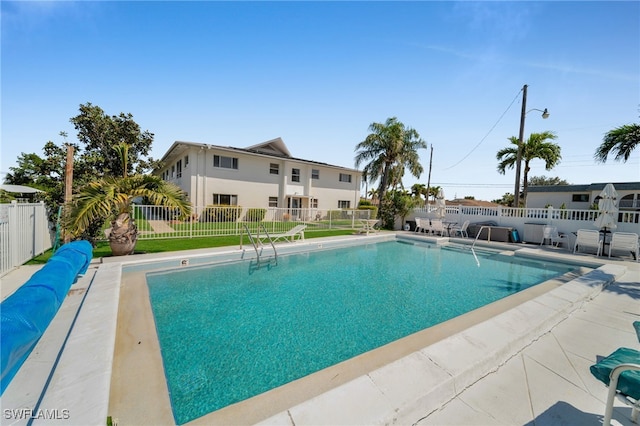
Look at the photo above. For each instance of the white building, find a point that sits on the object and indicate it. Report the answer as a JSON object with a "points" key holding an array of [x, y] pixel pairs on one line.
{"points": [[263, 175], [582, 196]]}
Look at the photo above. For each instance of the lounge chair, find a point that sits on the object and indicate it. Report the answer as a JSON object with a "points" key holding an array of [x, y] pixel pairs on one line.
{"points": [[461, 230], [621, 372], [588, 239], [551, 233], [624, 241], [290, 235], [420, 225], [437, 227]]}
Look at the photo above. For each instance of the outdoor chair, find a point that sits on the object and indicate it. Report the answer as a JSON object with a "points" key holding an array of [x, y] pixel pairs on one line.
{"points": [[421, 226], [624, 241], [437, 227], [621, 372], [460, 230], [551, 233], [290, 235], [588, 239]]}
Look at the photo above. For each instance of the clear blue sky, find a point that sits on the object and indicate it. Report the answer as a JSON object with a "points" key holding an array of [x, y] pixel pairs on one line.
{"points": [[318, 74]]}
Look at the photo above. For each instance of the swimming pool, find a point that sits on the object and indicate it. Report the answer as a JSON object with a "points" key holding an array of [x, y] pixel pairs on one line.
{"points": [[229, 332]]}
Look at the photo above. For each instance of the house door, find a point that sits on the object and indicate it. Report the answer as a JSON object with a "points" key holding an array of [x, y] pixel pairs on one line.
{"points": [[294, 205]]}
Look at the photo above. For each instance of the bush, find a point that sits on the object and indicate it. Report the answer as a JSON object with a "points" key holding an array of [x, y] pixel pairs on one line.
{"points": [[214, 213], [374, 210], [255, 215]]}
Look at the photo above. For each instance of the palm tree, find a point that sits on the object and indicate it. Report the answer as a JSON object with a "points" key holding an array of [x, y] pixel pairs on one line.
{"points": [[537, 146], [620, 141], [111, 198], [389, 149]]}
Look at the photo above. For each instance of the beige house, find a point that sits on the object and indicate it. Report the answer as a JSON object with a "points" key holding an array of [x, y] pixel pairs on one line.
{"points": [[263, 175], [583, 196]]}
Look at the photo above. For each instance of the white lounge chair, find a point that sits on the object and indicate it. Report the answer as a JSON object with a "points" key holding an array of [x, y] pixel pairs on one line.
{"points": [[290, 235], [420, 225], [624, 241], [588, 239], [551, 233], [462, 230], [437, 227]]}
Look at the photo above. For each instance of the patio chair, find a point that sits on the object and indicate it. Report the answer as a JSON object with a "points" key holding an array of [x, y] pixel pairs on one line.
{"points": [[551, 233], [420, 224], [621, 372], [460, 230], [290, 235], [437, 227], [588, 239], [624, 241]]}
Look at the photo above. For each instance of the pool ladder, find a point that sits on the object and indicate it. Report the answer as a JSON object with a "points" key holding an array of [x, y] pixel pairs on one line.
{"points": [[256, 242], [474, 241]]}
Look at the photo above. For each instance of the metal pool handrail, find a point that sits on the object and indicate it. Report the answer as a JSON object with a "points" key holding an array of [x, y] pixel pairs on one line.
{"points": [[257, 242]]}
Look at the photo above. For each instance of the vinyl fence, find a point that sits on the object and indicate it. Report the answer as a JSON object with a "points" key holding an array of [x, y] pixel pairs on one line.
{"points": [[24, 233], [160, 222]]}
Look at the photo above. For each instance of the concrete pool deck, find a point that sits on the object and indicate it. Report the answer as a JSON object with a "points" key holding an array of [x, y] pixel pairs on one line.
{"points": [[524, 363]]}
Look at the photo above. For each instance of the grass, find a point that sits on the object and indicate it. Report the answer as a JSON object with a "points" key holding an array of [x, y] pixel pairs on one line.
{"points": [[102, 249]]}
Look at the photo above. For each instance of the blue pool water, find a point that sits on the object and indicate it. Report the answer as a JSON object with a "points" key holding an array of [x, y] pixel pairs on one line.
{"points": [[230, 332]]}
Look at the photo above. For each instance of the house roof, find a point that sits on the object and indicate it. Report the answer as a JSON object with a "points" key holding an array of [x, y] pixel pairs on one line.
{"points": [[272, 148], [471, 203], [624, 186]]}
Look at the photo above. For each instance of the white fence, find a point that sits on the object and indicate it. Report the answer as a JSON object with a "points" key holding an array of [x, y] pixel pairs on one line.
{"points": [[24, 233], [160, 222]]}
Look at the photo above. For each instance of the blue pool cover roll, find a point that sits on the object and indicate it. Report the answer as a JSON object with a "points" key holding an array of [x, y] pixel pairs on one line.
{"points": [[26, 313]]}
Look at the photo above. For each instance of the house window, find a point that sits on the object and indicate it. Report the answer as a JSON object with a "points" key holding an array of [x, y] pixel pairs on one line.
{"points": [[315, 174], [295, 175], [274, 169], [225, 199], [314, 203], [344, 177], [186, 161], [173, 171], [273, 201], [344, 204], [580, 198], [179, 169], [225, 162]]}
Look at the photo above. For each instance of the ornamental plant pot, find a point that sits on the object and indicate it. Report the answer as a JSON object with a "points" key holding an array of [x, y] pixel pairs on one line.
{"points": [[122, 248]]}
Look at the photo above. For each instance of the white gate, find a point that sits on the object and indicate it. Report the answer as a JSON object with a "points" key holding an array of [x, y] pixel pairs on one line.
{"points": [[24, 233]]}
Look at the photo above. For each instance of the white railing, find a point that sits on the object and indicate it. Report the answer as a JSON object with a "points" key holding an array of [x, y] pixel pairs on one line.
{"points": [[159, 222], [24, 233], [566, 220]]}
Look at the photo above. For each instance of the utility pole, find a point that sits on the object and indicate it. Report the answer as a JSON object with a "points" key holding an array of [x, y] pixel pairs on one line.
{"points": [[429, 177], [68, 186], [516, 191]]}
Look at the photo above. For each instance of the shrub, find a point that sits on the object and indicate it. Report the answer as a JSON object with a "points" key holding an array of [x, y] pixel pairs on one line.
{"points": [[255, 215], [215, 213], [374, 210]]}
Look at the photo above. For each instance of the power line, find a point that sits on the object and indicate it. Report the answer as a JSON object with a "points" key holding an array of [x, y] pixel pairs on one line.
{"points": [[488, 133]]}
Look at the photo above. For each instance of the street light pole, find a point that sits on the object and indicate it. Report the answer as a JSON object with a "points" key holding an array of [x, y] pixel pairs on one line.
{"points": [[516, 191]]}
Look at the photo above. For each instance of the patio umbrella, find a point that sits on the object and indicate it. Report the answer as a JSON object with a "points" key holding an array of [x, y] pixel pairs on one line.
{"points": [[608, 208], [440, 204]]}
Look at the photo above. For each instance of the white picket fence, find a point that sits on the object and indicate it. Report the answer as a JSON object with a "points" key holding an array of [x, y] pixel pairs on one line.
{"points": [[24, 233]]}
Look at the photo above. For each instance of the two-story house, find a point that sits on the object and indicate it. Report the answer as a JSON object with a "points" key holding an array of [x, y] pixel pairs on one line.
{"points": [[263, 175]]}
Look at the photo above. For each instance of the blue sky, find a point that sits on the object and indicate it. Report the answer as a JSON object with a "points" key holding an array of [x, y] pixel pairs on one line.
{"points": [[318, 74]]}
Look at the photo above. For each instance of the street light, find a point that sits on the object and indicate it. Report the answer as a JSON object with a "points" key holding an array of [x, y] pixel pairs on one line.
{"points": [[545, 114]]}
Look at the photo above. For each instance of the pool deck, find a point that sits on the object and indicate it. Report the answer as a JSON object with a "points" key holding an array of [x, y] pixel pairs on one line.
{"points": [[523, 362]]}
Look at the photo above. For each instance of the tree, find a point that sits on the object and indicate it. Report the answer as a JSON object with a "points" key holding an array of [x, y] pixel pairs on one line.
{"points": [[396, 204], [418, 190], [96, 158], [111, 199], [537, 146], [506, 200], [620, 141], [546, 181], [389, 150]]}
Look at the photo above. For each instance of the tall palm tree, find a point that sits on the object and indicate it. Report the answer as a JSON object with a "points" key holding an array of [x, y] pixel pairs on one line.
{"points": [[389, 149], [111, 198], [620, 141], [537, 146]]}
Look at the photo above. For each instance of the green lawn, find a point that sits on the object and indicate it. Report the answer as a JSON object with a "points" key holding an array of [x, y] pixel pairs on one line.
{"points": [[178, 244]]}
